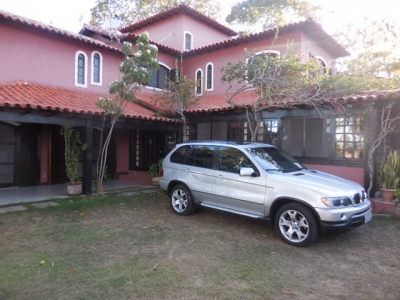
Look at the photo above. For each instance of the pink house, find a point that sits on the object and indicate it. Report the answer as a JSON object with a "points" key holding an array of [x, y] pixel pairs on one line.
{"points": [[51, 77]]}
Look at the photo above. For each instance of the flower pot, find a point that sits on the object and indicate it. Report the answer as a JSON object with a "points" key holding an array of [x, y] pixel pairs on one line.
{"points": [[387, 195], [155, 180], [74, 189]]}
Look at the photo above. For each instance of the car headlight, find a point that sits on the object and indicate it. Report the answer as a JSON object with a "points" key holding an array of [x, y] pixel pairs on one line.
{"points": [[336, 201]]}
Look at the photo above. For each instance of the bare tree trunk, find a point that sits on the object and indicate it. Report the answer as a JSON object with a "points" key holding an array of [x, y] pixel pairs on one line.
{"points": [[254, 123], [387, 126]]}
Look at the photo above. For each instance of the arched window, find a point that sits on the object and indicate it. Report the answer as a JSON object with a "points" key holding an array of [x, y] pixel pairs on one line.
{"points": [[81, 69], [97, 68], [188, 42], [159, 77], [259, 56], [210, 77], [323, 65], [199, 82]]}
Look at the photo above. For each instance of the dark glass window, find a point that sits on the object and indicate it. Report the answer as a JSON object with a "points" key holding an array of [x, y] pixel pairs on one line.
{"points": [[209, 76], [188, 41], [179, 155], [81, 69], [237, 131], [199, 82], [159, 78], [96, 68], [349, 139], [232, 160], [202, 157]]}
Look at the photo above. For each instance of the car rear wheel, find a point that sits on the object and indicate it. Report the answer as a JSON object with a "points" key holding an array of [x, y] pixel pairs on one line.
{"points": [[297, 225], [181, 200]]}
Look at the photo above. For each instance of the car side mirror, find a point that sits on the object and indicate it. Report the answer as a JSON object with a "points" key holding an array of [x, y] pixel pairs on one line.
{"points": [[247, 172]]}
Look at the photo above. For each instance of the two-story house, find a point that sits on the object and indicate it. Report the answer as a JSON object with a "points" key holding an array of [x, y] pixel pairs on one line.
{"points": [[50, 77]]}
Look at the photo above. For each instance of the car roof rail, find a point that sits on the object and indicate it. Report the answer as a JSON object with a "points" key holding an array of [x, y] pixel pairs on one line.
{"points": [[224, 142]]}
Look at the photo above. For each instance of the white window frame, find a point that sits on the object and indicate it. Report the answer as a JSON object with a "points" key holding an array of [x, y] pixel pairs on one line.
{"points": [[155, 88], [278, 53], [212, 77], [184, 41], [76, 69], [201, 82], [100, 83]]}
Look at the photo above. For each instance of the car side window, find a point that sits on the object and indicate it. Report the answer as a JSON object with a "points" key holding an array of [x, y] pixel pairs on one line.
{"points": [[201, 157], [232, 160], [179, 155]]}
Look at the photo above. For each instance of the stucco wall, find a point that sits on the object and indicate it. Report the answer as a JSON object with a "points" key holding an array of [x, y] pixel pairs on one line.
{"points": [[49, 59], [170, 32]]}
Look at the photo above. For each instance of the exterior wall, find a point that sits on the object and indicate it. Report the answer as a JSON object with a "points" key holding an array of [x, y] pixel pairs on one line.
{"points": [[222, 57], [170, 32], [27, 54], [350, 173]]}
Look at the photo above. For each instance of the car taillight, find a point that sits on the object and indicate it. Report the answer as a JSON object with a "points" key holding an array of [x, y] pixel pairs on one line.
{"points": [[162, 173]]}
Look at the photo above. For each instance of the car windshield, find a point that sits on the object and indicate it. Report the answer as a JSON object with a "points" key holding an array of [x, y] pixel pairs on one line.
{"points": [[274, 159]]}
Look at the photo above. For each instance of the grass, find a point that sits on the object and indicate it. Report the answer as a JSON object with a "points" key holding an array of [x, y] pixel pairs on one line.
{"points": [[135, 247]]}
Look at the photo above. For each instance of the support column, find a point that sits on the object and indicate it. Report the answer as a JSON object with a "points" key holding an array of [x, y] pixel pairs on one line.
{"points": [[87, 159]]}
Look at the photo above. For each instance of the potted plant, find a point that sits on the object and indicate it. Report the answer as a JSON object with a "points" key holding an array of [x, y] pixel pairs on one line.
{"points": [[73, 147], [155, 171], [389, 176]]}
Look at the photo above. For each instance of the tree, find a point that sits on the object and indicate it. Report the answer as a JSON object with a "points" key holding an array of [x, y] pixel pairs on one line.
{"points": [[388, 123], [132, 11], [178, 97], [271, 13], [284, 82], [375, 57], [135, 71]]}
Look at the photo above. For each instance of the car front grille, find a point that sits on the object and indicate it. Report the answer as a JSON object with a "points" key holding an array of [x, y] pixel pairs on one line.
{"points": [[360, 197]]}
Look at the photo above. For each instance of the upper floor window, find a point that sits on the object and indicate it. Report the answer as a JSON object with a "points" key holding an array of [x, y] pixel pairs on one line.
{"points": [[259, 61], [210, 77], [81, 69], [97, 68], [324, 69], [199, 82], [188, 41], [159, 77]]}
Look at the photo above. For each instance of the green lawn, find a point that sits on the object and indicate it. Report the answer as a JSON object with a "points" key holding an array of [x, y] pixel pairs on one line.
{"points": [[135, 247]]}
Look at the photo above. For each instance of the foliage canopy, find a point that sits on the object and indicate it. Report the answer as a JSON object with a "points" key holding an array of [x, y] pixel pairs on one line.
{"points": [[131, 11]]}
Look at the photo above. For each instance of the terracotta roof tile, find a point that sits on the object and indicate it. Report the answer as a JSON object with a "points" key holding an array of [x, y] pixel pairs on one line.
{"points": [[55, 30], [181, 9], [219, 102], [20, 94]]}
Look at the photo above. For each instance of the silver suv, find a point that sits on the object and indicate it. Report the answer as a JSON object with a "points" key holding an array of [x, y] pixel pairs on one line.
{"points": [[264, 182]]}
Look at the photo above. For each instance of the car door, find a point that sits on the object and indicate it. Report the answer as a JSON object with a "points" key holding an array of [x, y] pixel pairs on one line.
{"points": [[199, 173], [241, 193]]}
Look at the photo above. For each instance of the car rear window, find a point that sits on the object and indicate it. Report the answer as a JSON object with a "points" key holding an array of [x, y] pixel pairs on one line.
{"points": [[179, 155]]}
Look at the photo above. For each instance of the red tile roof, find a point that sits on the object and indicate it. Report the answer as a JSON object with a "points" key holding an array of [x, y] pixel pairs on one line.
{"points": [[20, 94], [208, 104], [309, 26], [55, 30], [181, 9]]}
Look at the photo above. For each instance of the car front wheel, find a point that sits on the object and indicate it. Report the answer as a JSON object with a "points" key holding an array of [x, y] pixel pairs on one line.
{"points": [[297, 225], [181, 200]]}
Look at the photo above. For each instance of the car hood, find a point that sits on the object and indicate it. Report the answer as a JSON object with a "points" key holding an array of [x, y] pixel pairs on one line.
{"points": [[321, 182]]}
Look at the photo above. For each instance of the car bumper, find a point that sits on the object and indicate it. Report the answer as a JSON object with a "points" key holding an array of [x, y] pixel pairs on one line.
{"points": [[345, 219]]}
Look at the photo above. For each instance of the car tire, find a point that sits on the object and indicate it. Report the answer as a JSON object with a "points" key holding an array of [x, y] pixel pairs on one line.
{"points": [[181, 200], [296, 224]]}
